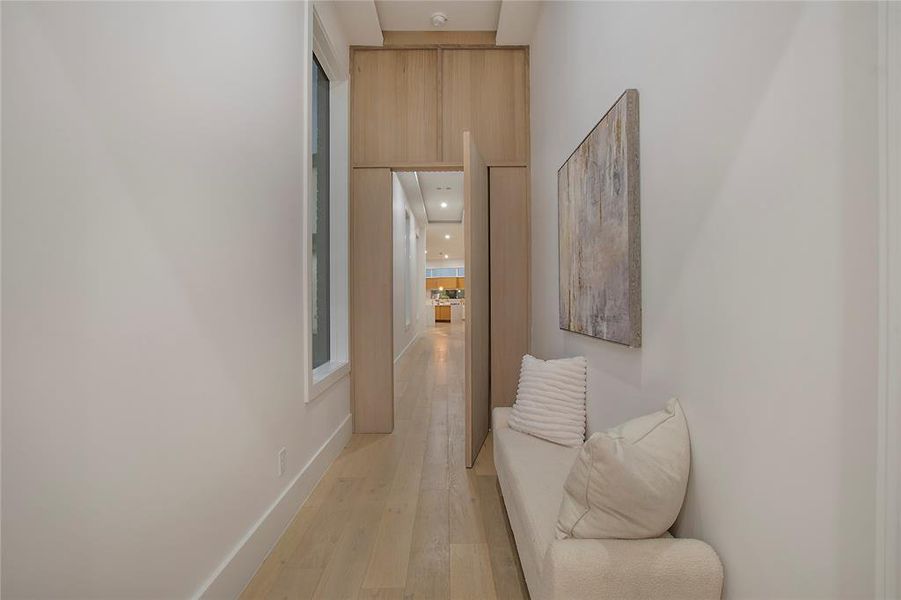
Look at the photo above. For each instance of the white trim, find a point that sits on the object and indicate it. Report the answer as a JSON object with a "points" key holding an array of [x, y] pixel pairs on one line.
{"points": [[325, 51], [327, 375], [323, 48], [407, 347], [306, 169], [888, 468], [236, 571]]}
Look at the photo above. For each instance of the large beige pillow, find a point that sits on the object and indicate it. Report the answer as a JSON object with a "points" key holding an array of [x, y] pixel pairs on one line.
{"points": [[628, 482]]}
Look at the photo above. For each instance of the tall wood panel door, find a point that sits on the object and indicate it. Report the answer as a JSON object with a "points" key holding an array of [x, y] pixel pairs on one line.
{"points": [[510, 279], [395, 106], [486, 91], [372, 301], [477, 387]]}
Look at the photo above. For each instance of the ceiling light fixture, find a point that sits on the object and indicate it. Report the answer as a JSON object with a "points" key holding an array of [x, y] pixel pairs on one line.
{"points": [[446, 256], [447, 236], [444, 205], [439, 19]]}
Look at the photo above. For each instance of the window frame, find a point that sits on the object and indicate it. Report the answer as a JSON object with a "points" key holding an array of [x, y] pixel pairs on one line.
{"points": [[337, 367]]}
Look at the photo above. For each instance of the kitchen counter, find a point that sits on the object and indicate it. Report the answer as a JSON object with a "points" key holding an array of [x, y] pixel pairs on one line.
{"points": [[449, 311]]}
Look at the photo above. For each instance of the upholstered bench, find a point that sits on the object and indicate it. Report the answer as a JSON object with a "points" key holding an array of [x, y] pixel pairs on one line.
{"points": [[532, 472]]}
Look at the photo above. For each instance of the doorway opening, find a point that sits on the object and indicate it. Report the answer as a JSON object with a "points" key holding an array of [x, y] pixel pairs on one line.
{"points": [[438, 198]]}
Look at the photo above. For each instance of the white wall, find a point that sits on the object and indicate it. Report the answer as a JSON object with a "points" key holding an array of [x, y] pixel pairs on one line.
{"points": [[758, 208], [153, 203], [405, 333]]}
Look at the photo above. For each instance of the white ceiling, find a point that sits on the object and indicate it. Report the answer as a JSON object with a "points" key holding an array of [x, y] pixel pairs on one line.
{"points": [[434, 186], [462, 15], [436, 244], [363, 21]]}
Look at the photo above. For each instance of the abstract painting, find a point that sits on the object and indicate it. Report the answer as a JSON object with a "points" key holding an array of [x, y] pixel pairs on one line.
{"points": [[599, 230]]}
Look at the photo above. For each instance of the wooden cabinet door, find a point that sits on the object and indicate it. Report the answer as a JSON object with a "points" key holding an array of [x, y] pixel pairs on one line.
{"points": [[486, 92], [394, 106]]}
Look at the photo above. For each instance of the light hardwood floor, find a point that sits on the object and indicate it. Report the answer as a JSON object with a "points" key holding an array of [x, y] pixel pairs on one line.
{"points": [[399, 516]]}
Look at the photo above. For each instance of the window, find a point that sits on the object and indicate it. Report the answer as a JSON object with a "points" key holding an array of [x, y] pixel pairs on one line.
{"points": [[320, 196], [326, 291]]}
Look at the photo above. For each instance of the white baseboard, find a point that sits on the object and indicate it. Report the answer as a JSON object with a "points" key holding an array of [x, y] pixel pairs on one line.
{"points": [[238, 568], [407, 347]]}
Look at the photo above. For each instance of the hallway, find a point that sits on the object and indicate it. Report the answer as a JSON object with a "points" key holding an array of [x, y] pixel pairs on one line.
{"points": [[399, 515]]}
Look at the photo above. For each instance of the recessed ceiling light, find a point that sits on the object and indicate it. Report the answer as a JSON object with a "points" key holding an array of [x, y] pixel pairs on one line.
{"points": [[447, 236], [426, 251], [446, 256], [444, 205]]}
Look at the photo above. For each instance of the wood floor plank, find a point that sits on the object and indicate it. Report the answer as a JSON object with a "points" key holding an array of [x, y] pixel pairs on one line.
{"points": [[470, 573], [484, 464], [466, 526], [391, 554], [428, 575], [343, 577], [509, 581], [268, 573], [382, 594]]}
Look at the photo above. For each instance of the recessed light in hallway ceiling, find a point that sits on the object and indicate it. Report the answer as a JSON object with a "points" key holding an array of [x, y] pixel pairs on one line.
{"points": [[442, 195]]}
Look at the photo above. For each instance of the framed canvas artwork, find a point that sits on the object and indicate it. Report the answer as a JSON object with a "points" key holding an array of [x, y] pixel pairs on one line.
{"points": [[599, 229]]}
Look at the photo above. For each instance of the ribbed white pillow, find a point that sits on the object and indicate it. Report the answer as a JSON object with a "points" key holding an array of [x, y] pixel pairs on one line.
{"points": [[628, 482], [550, 400]]}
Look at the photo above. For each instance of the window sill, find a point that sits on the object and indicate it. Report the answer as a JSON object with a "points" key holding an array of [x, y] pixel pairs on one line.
{"points": [[327, 375]]}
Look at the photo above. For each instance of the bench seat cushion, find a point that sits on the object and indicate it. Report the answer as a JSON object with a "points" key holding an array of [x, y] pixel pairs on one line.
{"points": [[532, 473]]}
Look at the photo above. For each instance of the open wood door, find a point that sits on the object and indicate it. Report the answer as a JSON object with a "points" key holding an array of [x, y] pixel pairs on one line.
{"points": [[478, 299]]}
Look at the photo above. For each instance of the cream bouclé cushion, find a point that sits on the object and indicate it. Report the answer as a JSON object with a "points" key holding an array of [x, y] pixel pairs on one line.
{"points": [[628, 482], [550, 399]]}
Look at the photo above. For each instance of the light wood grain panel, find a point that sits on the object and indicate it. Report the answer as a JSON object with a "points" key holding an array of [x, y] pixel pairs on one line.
{"points": [[477, 391], [372, 308], [510, 279], [439, 38], [394, 106], [486, 92]]}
